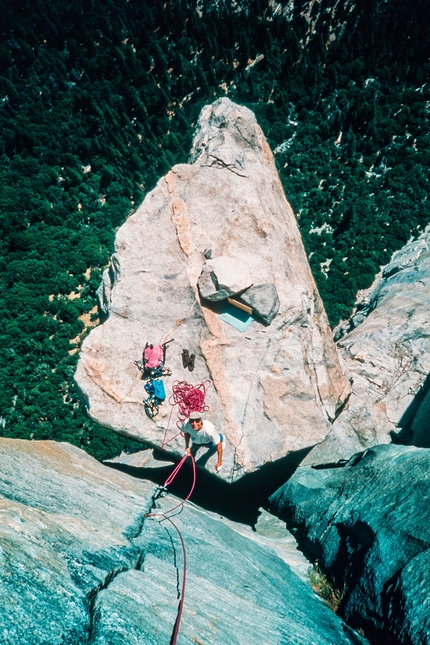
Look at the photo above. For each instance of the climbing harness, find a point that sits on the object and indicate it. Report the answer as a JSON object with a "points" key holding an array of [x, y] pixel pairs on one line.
{"points": [[165, 516], [189, 398]]}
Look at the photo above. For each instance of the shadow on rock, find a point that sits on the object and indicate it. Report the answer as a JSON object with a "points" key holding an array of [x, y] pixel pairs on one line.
{"points": [[239, 501], [413, 426]]}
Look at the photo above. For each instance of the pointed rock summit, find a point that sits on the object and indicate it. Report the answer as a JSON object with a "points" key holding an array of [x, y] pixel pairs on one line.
{"points": [[275, 387]]}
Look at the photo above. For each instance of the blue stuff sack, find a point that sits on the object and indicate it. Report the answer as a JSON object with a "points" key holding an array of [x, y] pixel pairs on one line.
{"points": [[156, 389]]}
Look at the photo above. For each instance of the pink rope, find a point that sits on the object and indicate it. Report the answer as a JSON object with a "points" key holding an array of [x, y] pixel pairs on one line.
{"points": [[168, 481], [173, 475], [189, 398], [164, 442], [184, 578]]}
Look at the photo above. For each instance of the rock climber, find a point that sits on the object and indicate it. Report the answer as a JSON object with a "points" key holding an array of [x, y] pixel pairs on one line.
{"points": [[202, 433]]}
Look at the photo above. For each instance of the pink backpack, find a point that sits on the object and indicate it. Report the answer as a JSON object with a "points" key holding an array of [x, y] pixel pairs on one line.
{"points": [[153, 357], [152, 363]]}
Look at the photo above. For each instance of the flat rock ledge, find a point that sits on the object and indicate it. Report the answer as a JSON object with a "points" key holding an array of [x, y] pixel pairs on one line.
{"points": [[367, 526], [276, 388], [81, 564]]}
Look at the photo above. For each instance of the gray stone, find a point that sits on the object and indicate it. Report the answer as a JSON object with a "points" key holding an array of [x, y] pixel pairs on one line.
{"points": [[223, 277], [67, 527], [410, 597], [419, 432], [80, 563], [274, 390], [386, 348], [142, 459], [367, 525], [110, 277], [264, 301], [103, 292]]}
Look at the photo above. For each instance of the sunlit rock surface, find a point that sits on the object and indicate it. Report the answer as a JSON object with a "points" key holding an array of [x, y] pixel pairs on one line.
{"points": [[275, 388], [67, 527], [80, 563], [386, 347]]}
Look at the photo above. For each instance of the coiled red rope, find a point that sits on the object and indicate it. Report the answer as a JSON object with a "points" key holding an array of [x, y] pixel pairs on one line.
{"points": [[164, 516], [189, 398]]}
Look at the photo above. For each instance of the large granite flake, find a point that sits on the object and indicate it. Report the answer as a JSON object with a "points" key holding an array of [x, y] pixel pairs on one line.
{"points": [[81, 564], [275, 389]]}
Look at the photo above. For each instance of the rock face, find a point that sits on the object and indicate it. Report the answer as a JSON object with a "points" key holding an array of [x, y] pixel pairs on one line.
{"points": [[81, 564], [419, 431], [68, 526], [367, 525], [276, 388], [386, 348]]}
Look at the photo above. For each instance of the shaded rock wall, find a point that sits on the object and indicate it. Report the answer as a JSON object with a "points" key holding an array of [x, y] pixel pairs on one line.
{"points": [[386, 348], [81, 565], [367, 525], [275, 389]]}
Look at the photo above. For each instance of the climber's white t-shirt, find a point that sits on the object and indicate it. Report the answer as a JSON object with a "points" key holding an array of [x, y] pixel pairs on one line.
{"points": [[208, 434]]}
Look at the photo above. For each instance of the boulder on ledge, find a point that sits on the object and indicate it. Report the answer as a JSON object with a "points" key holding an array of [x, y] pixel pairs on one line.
{"points": [[223, 277], [263, 300], [274, 389]]}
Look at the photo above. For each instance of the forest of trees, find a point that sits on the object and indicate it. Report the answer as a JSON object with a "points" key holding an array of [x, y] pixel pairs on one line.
{"points": [[98, 99]]}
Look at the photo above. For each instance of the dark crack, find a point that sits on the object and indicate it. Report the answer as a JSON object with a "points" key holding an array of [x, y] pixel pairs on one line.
{"points": [[131, 534], [250, 143], [222, 164], [93, 595]]}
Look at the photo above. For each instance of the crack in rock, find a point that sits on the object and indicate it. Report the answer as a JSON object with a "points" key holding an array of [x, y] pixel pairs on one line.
{"points": [[132, 533], [217, 161]]}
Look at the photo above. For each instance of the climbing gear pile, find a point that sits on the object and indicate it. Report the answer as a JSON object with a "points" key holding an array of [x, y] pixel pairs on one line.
{"points": [[152, 367], [156, 395], [187, 397]]}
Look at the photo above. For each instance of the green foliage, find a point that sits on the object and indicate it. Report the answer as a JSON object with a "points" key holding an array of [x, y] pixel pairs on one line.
{"points": [[99, 99], [325, 588]]}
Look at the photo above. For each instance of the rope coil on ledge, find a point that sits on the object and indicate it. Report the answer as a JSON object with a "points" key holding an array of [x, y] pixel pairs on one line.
{"points": [[189, 398]]}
